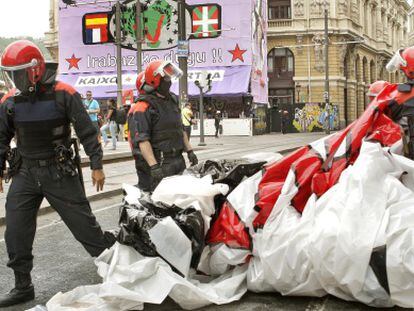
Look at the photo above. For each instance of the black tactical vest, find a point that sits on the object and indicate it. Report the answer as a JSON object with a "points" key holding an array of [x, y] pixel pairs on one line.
{"points": [[41, 125], [167, 128]]}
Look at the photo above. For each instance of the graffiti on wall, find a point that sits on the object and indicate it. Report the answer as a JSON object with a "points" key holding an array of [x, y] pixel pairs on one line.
{"points": [[312, 117]]}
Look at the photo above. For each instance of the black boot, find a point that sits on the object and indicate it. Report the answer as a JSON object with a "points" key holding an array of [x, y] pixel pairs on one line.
{"points": [[23, 291]]}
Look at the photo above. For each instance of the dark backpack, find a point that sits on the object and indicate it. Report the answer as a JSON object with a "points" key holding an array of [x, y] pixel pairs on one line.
{"points": [[121, 116]]}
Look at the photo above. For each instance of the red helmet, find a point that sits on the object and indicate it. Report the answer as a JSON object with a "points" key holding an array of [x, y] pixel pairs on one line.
{"points": [[375, 88], [403, 59], [408, 67], [158, 69], [140, 83], [23, 63]]}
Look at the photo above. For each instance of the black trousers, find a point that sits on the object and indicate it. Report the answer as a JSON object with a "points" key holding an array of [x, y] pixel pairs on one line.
{"points": [[65, 194], [170, 166]]}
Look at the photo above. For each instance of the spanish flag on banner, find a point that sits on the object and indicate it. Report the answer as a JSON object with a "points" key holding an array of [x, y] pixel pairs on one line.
{"points": [[95, 28]]}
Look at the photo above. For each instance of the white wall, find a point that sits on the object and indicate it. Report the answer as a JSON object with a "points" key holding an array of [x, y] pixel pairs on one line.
{"points": [[231, 127]]}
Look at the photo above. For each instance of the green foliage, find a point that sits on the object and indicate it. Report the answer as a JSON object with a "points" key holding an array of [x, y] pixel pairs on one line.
{"points": [[4, 42]]}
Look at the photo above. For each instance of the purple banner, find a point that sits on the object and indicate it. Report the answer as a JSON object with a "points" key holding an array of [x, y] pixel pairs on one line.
{"points": [[219, 33]]}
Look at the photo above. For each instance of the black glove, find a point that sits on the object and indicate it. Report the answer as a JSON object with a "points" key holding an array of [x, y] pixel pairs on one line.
{"points": [[157, 175], [192, 158]]}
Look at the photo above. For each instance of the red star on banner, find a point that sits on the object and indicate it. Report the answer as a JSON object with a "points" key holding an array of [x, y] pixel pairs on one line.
{"points": [[237, 53], [73, 62]]}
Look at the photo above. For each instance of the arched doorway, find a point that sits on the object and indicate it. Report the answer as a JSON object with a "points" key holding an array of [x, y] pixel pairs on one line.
{"points": [[281, 69]]}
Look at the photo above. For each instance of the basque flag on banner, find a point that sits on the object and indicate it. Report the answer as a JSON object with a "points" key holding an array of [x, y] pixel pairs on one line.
{"points": [[95, 28], [206, 21]]}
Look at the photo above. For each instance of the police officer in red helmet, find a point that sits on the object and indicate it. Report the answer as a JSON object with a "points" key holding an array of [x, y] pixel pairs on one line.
{"points": [[156, 130], [401, 108], [39, 112]]}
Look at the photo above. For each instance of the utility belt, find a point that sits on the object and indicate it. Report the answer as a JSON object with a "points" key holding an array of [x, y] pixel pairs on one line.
{"points": [[64, 159], [29, 163], [167, 154]]}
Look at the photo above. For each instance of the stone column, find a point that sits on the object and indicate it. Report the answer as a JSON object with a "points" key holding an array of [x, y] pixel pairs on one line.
{"points": [[379, 22], [385, 27]]}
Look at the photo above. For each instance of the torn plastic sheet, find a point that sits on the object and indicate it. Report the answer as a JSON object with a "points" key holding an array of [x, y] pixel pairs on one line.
{"points": [[328, 249], [146, 226], [130, 280], [187, 190], [229, 172]]}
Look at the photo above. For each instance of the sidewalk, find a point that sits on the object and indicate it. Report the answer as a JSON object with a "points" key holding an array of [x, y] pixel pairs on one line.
{"points": [[123, 171]]}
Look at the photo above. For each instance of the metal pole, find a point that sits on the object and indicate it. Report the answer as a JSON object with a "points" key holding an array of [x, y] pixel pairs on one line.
{"points": [[118, 54], [202, 143], [139, 36], [327, 108], [182, 61]]}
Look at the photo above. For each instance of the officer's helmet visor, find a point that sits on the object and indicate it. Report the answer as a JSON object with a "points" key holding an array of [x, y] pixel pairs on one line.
{"points": [[396, 62], [171, 72], [17, 79], [7, 78], [17, 76]]}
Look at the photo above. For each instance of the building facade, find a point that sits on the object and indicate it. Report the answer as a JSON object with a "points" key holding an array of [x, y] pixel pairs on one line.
{"points": [[51, 40], [363, 36]]}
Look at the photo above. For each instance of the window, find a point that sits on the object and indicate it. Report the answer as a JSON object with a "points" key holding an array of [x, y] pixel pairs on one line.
{"points": [[281, 96], [270, 64], [280, 9], [280, 63]]}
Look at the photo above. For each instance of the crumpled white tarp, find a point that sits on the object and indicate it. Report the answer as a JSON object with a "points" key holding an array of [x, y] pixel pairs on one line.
{"points": [[129, 280], [327, 249]]}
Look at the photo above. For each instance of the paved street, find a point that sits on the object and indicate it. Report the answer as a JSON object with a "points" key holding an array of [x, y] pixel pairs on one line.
{"points": [[62, 264]]}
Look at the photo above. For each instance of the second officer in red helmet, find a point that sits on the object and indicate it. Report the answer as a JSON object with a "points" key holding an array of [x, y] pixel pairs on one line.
{"points": [[156, 130]]}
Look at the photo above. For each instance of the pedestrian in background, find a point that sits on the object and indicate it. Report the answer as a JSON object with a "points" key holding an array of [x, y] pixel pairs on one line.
{"points": [[284, 119], [188, 119], [217, 121], [111, 124], [93, 109]]}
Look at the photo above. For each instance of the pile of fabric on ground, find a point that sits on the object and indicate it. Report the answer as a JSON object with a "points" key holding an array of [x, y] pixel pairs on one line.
{"points": [[335, 217]]}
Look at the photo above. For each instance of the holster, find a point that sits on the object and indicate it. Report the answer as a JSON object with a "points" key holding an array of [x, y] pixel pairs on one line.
{"points": [[15, 162], [65, 160]]}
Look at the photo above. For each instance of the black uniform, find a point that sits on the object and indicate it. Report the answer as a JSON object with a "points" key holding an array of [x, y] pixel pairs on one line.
{"points": [[41, 122], [157, 120], [401, 110]]}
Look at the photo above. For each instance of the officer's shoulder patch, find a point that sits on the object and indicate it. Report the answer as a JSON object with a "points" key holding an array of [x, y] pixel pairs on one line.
{"points": [[141, 106], [61, 86]]}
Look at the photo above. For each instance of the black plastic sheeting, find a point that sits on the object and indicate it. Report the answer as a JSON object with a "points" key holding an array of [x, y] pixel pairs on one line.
{"points": [[136, 220], [229, 172], [378, 263]]}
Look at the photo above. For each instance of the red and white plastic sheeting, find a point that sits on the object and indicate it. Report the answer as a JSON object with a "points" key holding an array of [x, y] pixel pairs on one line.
{"points": [[307, 225]]}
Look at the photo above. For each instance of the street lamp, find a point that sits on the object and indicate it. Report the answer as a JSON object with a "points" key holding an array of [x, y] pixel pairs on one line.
{"points": [[204, 85]]}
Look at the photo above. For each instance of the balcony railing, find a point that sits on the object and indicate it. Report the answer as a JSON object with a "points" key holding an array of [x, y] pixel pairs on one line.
{"points": [[279, 23]]}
